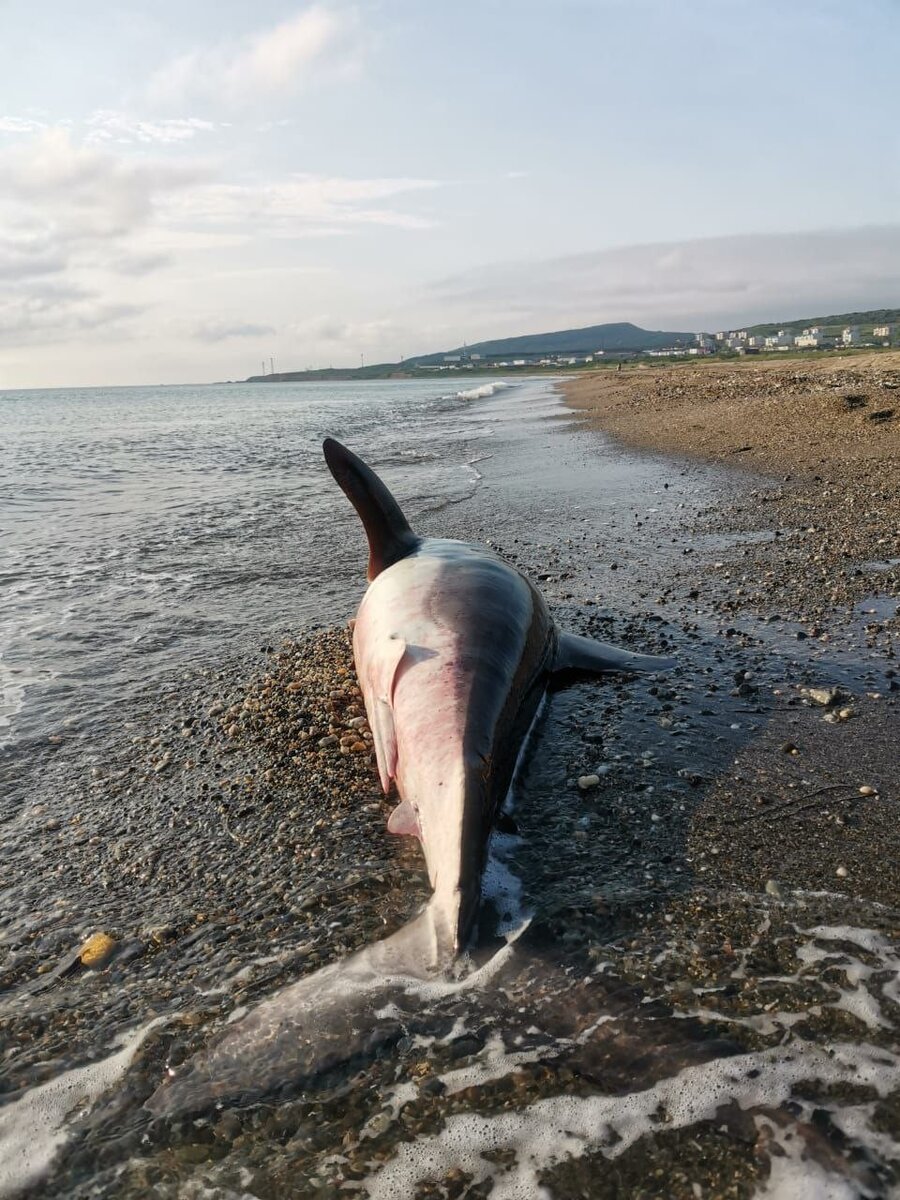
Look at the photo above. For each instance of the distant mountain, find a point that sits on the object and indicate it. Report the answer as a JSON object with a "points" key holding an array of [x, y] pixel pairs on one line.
{"points": [[621, 337], [614, 339]]}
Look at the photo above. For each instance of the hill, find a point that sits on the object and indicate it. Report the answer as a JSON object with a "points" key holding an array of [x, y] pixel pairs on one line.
{"points": [[621, 337], [833, 324]]}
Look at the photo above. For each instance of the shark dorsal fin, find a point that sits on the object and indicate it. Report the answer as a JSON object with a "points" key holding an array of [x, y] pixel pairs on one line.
{"points": [[388, 531]]}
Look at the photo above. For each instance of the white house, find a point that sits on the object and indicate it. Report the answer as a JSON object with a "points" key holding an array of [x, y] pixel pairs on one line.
{"points": [[850, 335], [779, 340], [883, 331]]}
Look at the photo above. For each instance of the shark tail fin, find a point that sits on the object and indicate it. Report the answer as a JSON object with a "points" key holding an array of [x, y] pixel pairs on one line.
{"points": [[388, 531], [580, 655], [326, 1022]]}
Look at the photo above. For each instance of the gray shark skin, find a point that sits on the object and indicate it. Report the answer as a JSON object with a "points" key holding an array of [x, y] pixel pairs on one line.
{"points": [[454, 650]]}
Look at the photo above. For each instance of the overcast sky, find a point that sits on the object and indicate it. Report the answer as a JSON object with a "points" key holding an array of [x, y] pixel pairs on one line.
{"points": [[187, 189]]}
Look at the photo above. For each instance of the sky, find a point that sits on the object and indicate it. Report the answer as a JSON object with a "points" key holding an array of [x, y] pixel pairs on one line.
{"points": [[188, 190]]}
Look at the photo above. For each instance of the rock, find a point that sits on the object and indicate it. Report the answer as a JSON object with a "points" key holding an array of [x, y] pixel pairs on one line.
{"points": [[97, 950], [331, 739], [842, 872], [127, 952], [377, 1125], [432, 1086], [826, 697], [694, 777], [586, 782], [866, 790], [774, 889]]}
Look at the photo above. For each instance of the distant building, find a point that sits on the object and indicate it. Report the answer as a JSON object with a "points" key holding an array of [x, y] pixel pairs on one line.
{"points": [[755, 342], [883, 331], [780, 340], [850, 336], [809, 341], [705, 341]]}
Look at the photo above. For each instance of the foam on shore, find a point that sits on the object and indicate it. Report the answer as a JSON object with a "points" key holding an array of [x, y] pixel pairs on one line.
{"points": [[562, 1127], [35, 1127]]}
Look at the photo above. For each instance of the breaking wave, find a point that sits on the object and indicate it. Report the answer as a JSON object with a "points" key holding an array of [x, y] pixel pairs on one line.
{"points": [[481, 393]]}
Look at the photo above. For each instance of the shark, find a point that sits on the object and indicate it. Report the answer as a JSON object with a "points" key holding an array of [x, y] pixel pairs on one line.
{"points": [[454, 650]]}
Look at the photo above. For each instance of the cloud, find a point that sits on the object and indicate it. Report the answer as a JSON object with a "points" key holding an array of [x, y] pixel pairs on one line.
{"points": [[23, 258], [705, 282], [69, 213], [20, 125], [82, 191], [302, 205], [317, 43], [137, 264], [110, 126], [56, 313], [331, 334], [221, 331]]}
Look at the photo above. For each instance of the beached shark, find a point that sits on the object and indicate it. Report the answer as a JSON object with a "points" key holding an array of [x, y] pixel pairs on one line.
{"points": [[454, 651]]}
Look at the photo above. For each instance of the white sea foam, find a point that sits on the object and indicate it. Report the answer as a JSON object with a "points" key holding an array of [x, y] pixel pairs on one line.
{"points": [[35, 1127], [793, 1175], [482, 392], [561, 1127]]}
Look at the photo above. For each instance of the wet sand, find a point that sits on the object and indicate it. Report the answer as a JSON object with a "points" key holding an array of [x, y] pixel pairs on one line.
{"points": [[809, 546]]}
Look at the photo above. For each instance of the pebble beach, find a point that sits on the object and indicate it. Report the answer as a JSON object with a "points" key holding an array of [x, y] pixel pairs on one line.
{"points": [[817, 530]]}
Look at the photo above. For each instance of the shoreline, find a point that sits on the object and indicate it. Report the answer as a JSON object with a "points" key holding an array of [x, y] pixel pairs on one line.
{"points": [[231, 837], [806, 559]]}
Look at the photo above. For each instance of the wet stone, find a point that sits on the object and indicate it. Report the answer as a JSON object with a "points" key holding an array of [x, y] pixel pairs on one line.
{"points": [[97, 950]]}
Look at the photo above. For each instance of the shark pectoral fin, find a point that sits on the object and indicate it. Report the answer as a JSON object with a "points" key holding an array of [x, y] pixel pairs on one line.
{"points": [[385, 739], [380, 712], [405, 820], [580, 654]]}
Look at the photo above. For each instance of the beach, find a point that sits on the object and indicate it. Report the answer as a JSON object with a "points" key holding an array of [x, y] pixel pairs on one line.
{"points": [[818, 444], [702, 992]]}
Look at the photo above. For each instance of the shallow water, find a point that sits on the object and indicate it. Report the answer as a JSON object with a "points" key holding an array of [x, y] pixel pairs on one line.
{"points": [[144, 524], [639, 1032]]}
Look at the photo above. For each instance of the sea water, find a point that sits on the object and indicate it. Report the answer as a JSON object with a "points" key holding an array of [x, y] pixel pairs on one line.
{"points": [[143, 525]]}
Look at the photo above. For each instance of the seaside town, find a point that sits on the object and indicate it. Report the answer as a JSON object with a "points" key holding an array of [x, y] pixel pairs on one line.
{"points": [[816, 337], [725, 342]]}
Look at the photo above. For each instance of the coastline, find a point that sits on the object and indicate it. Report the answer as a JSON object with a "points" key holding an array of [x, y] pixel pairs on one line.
{"points": [[229, 837], [823, 438], [805, 560]]}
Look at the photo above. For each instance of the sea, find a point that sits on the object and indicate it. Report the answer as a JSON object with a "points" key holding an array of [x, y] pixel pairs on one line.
{"points": [[634, 1029]]}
